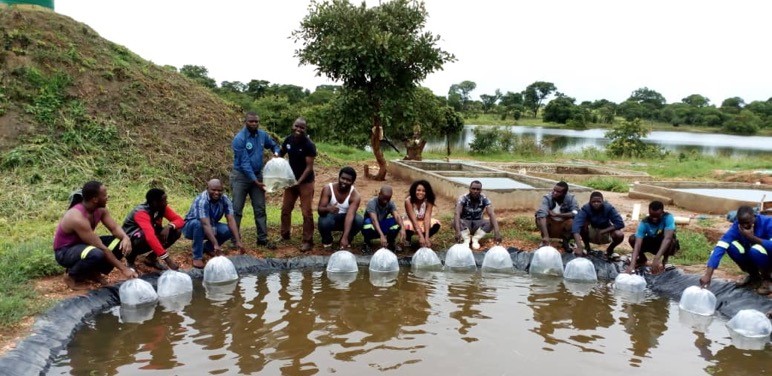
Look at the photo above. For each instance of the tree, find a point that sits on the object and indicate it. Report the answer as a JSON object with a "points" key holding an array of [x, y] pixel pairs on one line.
{"points": [[745, 123], [257, 88], [627, 141], [489, 101], [732, 105], [199, 74], [696, 100], [559, 110], [380, 52], [535, 93], [646, 96], [463, 93]]}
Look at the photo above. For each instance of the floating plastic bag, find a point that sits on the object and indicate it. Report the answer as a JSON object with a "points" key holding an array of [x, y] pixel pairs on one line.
{"points": [[220, 270], [582, 288], [176, 303], [580, 269], [220, 292], [697, 322], [460, 258], [277, 175], [342, 262], [384, 261], [383, 279], [749, 329], [630, 283], [341, 280], [136, 292], [497, 259], [172, 283], [137, 314], [546, 261], [698, 301], [425, 259]]}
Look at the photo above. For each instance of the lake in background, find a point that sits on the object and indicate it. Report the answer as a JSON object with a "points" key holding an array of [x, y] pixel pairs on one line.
{"points": [[570, 141]]}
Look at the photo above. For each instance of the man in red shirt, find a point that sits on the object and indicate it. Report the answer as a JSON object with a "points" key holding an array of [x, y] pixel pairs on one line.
{"points": [[148, 235]]}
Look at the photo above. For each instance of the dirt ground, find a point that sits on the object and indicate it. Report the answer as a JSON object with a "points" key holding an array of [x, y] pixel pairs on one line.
{"points": [[53, 287]]}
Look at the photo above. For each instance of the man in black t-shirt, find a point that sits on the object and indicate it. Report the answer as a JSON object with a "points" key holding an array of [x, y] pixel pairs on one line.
{"points": [[301, 153]]}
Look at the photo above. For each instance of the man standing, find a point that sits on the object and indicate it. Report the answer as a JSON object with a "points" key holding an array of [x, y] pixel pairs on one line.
{"points": [[202, 223], [302, 153], [554, 218], [77, 247], [655, 235], [337, 209], [468, 220], [382, 220], [598, 222], [144, 225], [246, 178], [749, 244]]}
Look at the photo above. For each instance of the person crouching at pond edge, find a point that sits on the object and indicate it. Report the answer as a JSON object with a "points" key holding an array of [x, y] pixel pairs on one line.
{"points": [[419, 207], [77, 247], [555, 215], [468, 220], [749, 244], [382, 220]]}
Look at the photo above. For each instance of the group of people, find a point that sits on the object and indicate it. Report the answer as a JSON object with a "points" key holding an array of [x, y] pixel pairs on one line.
{"points": [[748, 242], [89, 257]]}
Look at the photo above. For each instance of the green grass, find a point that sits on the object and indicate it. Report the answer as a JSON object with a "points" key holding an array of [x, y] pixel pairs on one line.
{"points": [[606, 184], [695, 248], [19, 264]]}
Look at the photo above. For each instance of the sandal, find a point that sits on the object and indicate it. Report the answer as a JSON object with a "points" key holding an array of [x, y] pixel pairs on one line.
{"points": [[763, 290], [614, 257]]}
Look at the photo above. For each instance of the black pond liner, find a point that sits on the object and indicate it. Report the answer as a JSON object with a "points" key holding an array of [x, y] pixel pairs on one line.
{"points": [[54, 329]]}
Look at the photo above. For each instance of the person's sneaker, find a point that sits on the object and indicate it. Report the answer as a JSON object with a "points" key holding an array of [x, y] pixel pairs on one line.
{"points": [[154, 263], [613, 257], [305, 247], [366, 250], [198, 264], [267, 244], [327, 247], [397, 248]]}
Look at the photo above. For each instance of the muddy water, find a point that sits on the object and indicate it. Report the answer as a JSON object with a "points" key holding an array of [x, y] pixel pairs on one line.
{"points": [[301, 323]]}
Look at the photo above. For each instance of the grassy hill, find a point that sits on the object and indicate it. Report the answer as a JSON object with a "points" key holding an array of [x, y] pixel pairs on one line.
{"points": [[75, 107]]}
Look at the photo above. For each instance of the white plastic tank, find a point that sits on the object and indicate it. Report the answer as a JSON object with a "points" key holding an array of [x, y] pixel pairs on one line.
{"points": [[342, 262], [384, 260], [460, 258], [497, 259], [698, 300], [425, 259], [580, 269], [136, 292], [546, 261], [220, 270], [172, 283]]}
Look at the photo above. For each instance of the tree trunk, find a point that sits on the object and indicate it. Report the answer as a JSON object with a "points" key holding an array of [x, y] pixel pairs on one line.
{"points": [[375, 143]]}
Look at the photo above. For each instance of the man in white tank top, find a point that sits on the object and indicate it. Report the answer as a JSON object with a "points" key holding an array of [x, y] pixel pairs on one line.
{"points": [[338, 205]]}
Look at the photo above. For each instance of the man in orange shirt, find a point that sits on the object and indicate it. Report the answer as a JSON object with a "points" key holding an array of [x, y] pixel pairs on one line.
{"points": [[144, 225]]}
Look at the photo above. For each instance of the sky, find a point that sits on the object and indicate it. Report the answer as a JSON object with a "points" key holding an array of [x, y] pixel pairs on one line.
{"points": [[590, 49]]}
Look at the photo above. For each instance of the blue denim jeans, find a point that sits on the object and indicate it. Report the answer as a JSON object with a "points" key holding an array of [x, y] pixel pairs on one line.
{"points": [[241, 186], [334, 222], [194, 231]]}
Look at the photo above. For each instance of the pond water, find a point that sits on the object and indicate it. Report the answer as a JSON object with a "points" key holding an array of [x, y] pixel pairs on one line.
{"points": [[492, 183], [301, 323], [755, 195], [569, 140]]}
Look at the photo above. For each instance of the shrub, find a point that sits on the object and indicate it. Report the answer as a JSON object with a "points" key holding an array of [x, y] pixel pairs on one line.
{"points": [[607, 184]]}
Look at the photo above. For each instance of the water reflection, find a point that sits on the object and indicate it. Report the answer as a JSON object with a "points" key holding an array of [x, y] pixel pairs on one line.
{"points": [[565, 318], [298, 323], [645, 323], [569, 140]]}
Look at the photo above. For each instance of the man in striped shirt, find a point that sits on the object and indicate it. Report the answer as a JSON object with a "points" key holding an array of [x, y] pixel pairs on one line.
{"points": [[203, 227]]}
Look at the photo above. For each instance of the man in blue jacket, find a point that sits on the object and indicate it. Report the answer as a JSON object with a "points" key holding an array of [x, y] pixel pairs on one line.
{"points": [[247, 175], [749, 244], [598, 222]]}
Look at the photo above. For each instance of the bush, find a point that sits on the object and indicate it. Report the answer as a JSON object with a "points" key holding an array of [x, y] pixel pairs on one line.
{"points": [[695, 248], [627, 141], [497, 140], [607, 184]]}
